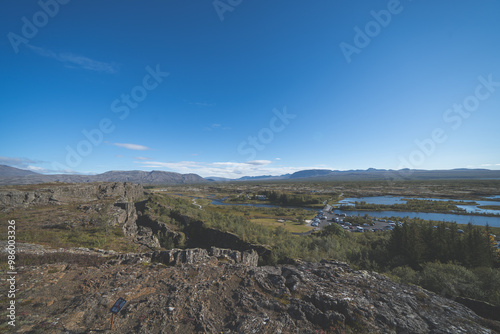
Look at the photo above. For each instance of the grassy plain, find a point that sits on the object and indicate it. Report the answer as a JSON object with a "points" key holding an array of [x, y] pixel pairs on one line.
{"points": [[467, 190], [489, 207]]}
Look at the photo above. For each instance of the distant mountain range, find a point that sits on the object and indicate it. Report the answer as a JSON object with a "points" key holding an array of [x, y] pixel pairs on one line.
{"points": [[11, 176]]}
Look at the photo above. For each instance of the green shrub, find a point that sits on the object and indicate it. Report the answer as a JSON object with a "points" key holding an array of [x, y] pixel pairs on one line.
{"points": [[450, 280], [489, 284], [405, 275]]}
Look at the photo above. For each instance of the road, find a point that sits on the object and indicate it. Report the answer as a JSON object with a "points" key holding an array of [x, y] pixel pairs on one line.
{"points": [[194, 202]]}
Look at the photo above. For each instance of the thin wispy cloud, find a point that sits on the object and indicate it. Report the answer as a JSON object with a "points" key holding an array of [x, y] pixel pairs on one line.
{"points": [[179, 164], [492, 166], [76, 61], [216, 126], [202, 104], [30, 164], [42, 170], [135, 147], [37, 169], [16, 162], [258, 162], [142, 158]]}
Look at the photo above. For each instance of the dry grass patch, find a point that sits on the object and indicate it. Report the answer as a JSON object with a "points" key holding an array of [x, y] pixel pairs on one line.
{"points": [[290, 226]]}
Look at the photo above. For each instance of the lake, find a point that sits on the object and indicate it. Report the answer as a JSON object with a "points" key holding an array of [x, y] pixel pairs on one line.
{"points": [[448, 217], [388, 200]]}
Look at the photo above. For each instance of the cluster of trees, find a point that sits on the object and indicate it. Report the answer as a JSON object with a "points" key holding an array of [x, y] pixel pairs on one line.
{"points": [[430, 205], [453, 280], [291, 199], [442, 259], [414, 244], [414, 205]]}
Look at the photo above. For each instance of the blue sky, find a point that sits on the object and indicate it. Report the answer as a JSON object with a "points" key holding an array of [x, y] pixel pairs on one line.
{"points": [[233, 88]]}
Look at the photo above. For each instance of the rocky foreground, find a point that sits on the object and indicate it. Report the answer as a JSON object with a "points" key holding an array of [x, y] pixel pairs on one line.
{"points": [[217, 287], [222, 291]]}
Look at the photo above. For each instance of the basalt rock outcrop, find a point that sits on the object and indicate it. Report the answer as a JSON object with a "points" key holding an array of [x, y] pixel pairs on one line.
{"points": [[198, 255], [67, 193], [204, 236], [146, 230], [127, 217]]}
